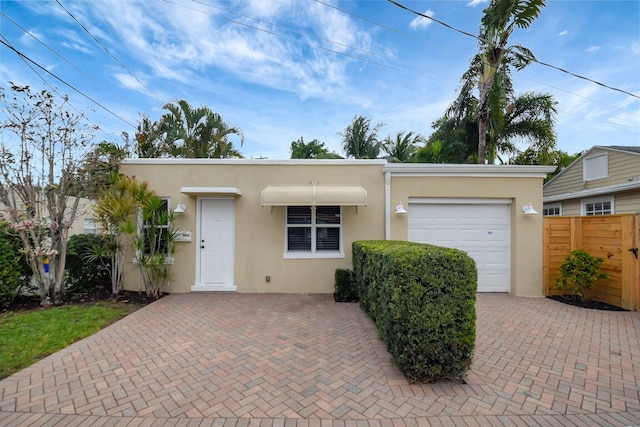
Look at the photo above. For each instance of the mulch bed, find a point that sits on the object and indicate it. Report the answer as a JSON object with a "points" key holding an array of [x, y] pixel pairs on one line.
{"points": [[22, 303], [586, 303]]}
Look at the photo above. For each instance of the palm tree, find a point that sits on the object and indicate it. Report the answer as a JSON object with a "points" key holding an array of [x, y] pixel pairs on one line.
{"points": [[530, 116], [401, 148], [196, 132], [186, 132], [500, 19], [360, 140]]}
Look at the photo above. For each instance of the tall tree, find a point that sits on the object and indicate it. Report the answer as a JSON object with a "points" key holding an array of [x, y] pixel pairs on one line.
{"points": [[360, 139], [401, 148], [312, 150], [528, 117], [187, 132], [101, 163], [41, 158], [499, 21]]}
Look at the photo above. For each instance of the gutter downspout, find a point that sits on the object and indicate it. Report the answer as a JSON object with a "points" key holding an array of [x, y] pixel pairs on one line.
{"points": [[387, 205]]}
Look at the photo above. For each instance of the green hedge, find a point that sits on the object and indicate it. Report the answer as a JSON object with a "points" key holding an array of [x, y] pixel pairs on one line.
{"points": [[422, 299], [345, 287], [14, 272], [85, 275]]}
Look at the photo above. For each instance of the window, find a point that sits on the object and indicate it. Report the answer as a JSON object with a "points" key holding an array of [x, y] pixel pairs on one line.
{"points": [[552, 209], [90, 226], [154, 226], [602, 206], [313, 231], [595, 167]]}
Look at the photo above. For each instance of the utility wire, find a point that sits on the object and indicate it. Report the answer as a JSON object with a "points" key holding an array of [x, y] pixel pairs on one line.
{"points": [[59, 55], [24, 57], [53, 89], [319, 47], [493, 44], [108, 51], [297, 31]]}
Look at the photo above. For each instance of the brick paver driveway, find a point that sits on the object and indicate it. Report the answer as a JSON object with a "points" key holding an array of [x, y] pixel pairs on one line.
{"points": [[304, 361]]}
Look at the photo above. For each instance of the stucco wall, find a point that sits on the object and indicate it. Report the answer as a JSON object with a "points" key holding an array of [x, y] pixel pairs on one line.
{"points": [[260, 231], [497, 183]]}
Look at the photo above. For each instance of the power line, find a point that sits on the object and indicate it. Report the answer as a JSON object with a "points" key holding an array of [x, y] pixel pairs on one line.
{"points": [[108, 51], [50, 86], [319, 47], [59, 55], [24, 57], [493, 44], [297, 31]]}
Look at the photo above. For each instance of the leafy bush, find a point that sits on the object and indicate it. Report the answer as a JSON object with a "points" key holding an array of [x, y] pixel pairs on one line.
{"points": [[579, 272], [85, 273], [13, 269], [422, 299], [345, 287]]}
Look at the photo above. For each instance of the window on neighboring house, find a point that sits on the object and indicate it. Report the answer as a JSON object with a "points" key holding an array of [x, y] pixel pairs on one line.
{"points": [[595, 167], [552, 209], [313, 231], [156, 229], [603, 206], [90, 226]]}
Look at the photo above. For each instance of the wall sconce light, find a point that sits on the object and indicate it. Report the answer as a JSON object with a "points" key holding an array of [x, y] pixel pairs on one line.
{"points": [[400, 210], [528, 210], [180, 208]]}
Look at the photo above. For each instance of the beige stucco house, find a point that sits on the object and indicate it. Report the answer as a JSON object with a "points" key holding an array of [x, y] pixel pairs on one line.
{"points": [[286, 225], [604, 180]]}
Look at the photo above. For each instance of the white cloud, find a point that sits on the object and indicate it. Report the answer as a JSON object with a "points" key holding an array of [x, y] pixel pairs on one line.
{"points": [[474, 3], [422, 22], [593, 48], [563, 33]]}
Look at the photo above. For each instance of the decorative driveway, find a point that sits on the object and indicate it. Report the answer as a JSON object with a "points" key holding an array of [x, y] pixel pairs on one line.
{"points": [[258, 360]]}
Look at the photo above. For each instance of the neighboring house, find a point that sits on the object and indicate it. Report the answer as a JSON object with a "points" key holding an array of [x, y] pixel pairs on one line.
{"points": [[604, 180], [83, 222], [286, 225]]}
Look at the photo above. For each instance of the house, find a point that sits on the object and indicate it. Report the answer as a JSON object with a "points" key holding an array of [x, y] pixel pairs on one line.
{"points": [[604, 180], [285, 225]]}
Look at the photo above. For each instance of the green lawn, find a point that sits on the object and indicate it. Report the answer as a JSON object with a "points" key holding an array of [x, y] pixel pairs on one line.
{"points": [[26, 337]]}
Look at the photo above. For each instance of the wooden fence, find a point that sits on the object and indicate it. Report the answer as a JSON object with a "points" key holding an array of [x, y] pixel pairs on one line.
{"points": [[612, 237]]}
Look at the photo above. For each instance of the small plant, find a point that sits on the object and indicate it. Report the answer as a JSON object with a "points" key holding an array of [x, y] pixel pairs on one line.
{"points": [[579, 272], [345, 287]]}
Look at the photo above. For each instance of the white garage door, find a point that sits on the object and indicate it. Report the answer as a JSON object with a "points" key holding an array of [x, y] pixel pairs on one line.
{"points": [[481, 230]]}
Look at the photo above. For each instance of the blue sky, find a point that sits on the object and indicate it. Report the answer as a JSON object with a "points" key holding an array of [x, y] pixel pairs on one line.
{"points": [[285, 69]]}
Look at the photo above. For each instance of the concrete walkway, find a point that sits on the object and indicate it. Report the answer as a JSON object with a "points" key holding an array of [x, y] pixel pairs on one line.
{"points": [[242, 360]]}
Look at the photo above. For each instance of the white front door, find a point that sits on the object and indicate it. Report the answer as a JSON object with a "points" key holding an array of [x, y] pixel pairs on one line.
{"points": [[480, 229], [216, 245]]}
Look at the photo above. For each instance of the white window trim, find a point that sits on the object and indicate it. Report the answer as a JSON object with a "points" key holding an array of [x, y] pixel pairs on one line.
{"points": [[313, 254], [139, 230], [584, 202], [585, 169], [553, 206]]}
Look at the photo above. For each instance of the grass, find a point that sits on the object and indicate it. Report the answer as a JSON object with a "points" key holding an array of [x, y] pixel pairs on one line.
{"points": [[28, 336]]}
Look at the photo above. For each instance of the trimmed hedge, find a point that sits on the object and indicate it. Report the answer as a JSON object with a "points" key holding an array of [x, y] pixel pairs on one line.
{"points": [[422, 299]]}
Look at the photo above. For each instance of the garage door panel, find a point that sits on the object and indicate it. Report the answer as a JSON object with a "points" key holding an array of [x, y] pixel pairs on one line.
{"points": [[483, 231]]}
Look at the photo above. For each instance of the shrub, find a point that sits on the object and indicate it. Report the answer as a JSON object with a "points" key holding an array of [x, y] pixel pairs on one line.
{"points": [[345, 287], [13, 269], [86, 272], [579, 272], [422, 299]]}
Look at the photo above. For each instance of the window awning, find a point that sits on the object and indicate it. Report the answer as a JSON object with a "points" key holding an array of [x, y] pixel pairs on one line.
{"points": [[314, 195]]}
